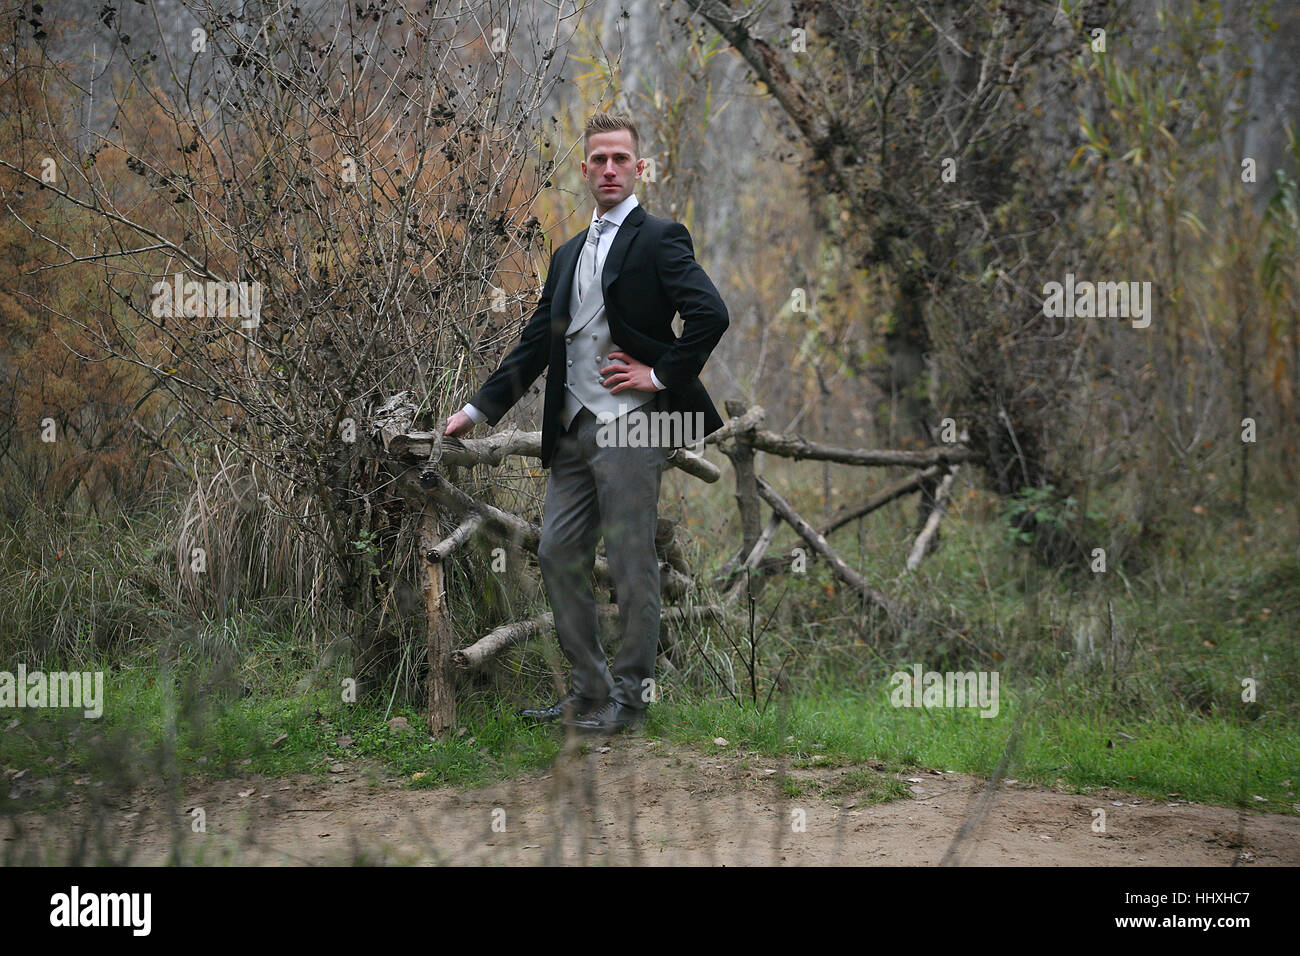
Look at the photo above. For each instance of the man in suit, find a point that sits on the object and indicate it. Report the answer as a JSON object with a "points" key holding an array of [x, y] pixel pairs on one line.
{"points": [[603, 330]]}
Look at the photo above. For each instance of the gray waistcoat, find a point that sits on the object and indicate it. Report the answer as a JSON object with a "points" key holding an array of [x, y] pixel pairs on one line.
{"points": [[588, 345]]}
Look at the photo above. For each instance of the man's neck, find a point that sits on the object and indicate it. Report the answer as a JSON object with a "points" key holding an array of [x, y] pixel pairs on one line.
{"points": [[628, 203]]}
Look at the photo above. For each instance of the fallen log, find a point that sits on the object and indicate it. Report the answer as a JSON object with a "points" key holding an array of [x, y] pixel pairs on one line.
{"points": [[818, 544]]}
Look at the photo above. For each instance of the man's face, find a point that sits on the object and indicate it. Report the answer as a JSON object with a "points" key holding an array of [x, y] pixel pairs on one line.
{"points": [[611, 168]]}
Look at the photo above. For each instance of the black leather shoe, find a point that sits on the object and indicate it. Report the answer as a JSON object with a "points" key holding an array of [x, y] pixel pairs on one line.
{"points": [[569, 706], [608, 720]]}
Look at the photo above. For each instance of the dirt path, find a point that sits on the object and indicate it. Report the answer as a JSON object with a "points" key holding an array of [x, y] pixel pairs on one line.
{"points": [[650, 802]]}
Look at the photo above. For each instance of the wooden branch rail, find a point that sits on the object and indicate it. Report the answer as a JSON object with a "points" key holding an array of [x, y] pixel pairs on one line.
{"points": [[465, 531], [496, 448], [393, 424], [748, 429], [726, 580], [941, 498], [800, 448], [882, 498], [818, 544], [487, 647], [673, 582]]}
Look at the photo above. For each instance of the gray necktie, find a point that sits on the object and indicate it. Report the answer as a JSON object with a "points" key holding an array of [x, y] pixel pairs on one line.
{"points": [[587, 262]]}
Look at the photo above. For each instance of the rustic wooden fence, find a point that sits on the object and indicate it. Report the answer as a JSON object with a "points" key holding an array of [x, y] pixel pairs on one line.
{"points": [[424, 467]]}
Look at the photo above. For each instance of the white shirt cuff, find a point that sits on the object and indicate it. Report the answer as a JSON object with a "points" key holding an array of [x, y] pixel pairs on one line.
{"points": [[654, 378], [475, 415]]}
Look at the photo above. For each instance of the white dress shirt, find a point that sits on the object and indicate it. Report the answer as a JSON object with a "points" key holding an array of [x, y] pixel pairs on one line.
{"points": [[613, 219]]}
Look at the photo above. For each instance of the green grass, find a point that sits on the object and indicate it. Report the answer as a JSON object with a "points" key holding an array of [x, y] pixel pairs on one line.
{"points": [[1203, 760], [209, 737]]}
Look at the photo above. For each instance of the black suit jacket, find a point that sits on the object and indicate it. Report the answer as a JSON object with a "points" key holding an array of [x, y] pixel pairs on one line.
{"points": [[650, 274]]}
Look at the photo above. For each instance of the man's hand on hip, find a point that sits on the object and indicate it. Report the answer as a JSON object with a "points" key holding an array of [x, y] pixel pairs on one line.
{"points": [[633, 374]]}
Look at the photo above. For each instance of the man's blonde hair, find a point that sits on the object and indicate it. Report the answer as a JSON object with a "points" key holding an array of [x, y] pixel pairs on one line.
{"points": [[609, 123]]}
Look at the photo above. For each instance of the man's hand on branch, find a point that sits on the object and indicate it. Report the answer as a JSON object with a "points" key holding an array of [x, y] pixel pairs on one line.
{"points": [[459, 424]]}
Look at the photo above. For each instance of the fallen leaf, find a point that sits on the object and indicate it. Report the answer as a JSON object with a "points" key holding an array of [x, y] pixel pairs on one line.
{"points": [[720, 741], [279, 740]]}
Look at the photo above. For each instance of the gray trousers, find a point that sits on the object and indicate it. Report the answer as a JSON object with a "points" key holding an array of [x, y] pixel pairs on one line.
{"points": [[612, 491]]}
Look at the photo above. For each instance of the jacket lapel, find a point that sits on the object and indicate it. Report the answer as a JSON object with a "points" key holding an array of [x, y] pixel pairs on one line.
{"points": [[567, 263], [618, 251], [568, 266]]}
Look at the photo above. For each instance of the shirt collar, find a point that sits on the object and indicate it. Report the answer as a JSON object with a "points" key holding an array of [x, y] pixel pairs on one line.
{"points": [[619, 212]]}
